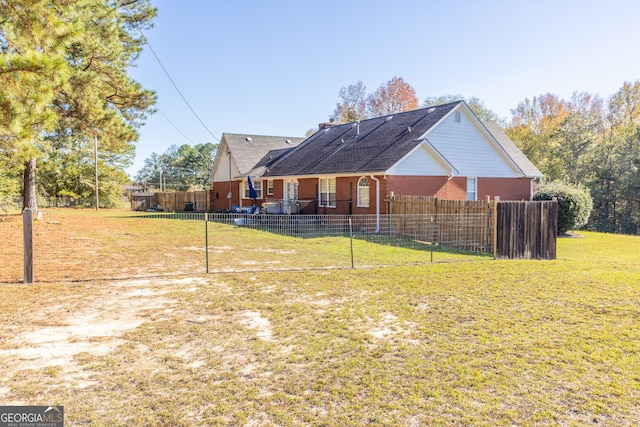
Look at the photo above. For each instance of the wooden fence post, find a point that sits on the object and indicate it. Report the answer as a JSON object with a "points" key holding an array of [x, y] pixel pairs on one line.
{"points": [[487, 234], [27, 228], [494, 220]]}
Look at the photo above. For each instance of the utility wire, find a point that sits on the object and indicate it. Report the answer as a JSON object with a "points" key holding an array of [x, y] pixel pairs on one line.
{"points": [[176, 127], [178, 90]]}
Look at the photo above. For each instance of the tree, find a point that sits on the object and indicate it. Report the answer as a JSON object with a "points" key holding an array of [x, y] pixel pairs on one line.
{"points": [[195, 163], [352, 106], [182, 168], [392, 97], [66, 171], [64, 72], [32, 70], [587, 142], [395, 96], [535, 127], [151, 173], [618, 187], [9, 177]]}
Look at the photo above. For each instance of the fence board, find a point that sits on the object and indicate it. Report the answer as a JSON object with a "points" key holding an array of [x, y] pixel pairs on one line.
{"points": [[462, 224], [526, 230], [510, 229], [179, 201], [143, 201]]}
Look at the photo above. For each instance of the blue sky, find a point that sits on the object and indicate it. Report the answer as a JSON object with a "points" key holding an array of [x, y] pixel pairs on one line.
{"points": [[276, 67]]}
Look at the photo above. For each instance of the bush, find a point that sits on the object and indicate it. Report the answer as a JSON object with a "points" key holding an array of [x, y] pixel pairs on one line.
{"points": [[574, 204]]}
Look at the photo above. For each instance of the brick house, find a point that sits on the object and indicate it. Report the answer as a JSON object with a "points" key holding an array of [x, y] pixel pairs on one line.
{"points": [[443, 151], [237, 155]]}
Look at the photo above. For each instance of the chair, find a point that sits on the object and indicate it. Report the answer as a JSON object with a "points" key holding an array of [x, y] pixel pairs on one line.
{"points": [[236, 209]]}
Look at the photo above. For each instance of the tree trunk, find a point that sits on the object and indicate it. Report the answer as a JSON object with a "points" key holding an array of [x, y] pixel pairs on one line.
{"points": [[29, 186]]}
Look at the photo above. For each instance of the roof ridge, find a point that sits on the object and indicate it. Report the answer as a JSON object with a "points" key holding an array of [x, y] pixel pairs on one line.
{"points": [[413, 124], [439, 106], [262, 136]]}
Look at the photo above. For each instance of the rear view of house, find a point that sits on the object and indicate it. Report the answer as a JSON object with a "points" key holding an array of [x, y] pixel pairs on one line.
{"points": [[443, 151], [237, 156]]}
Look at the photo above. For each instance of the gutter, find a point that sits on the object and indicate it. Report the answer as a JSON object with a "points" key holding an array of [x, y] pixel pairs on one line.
{"points": [[377, 203]]}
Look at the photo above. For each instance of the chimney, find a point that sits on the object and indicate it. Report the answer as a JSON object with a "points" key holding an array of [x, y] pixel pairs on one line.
{"points": [[325, 125]]}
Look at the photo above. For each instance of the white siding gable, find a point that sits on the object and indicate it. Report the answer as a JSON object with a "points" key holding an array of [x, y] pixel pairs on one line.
{"points": [[220, 168], [469, 149], [420, 162]]}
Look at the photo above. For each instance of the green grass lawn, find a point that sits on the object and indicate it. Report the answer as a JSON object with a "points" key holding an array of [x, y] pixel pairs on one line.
{"points": [[480, 343]]}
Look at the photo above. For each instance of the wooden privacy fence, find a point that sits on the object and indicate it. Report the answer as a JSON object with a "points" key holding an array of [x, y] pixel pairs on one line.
{"points": [[509, 229], [521, 229], [456, 223], [526, 230], [179, 201]]}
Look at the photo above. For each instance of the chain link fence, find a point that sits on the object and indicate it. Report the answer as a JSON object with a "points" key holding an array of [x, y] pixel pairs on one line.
{"points": [[76, 246]]}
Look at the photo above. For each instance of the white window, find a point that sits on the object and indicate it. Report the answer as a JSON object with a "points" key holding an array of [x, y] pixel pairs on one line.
{"points": [[472, 188], [363, 192], [328, 192], [456, 117], [257, 185], [270, 187]]}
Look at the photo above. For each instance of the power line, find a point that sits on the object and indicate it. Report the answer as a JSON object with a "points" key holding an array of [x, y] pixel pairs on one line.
{"points": [[178, 90], [176, 127]]}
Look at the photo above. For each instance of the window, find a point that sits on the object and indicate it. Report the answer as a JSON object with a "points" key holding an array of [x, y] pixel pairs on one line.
{"points": [[363, 192], [456, 117], [270, 187], [472, 188], [257, 185], [328, 192]]}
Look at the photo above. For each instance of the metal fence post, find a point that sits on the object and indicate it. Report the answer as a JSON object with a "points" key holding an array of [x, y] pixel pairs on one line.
{"points": [[351, 239], [206, 240]]}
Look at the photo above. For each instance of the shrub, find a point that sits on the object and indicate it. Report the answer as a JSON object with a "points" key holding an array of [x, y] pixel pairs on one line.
{"points": [[574, 203]]}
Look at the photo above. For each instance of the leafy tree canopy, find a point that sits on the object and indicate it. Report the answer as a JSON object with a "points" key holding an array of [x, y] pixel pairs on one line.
{"points": [[591, 142], [181, 168], [391, 97], [63, 70]]}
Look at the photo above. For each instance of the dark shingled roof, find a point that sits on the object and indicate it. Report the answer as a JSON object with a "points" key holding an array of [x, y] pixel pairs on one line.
{"points": [[371, 145], [247, 150]]}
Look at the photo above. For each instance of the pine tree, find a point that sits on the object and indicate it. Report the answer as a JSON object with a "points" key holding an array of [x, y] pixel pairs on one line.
{"points": [[63, 70]]}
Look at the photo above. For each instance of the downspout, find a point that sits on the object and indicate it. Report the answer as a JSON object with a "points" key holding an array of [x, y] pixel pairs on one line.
{"points": [[230, 195], [532, 186], [377, 203], [351, 198]]}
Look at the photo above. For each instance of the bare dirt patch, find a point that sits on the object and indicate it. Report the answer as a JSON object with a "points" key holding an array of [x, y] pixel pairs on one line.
{"points": [[254, 320], [65, 330]]}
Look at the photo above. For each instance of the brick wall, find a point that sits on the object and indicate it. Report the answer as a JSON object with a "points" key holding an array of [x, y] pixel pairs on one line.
{"points": [[439, 186], [456, 188], [506, 188]]}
